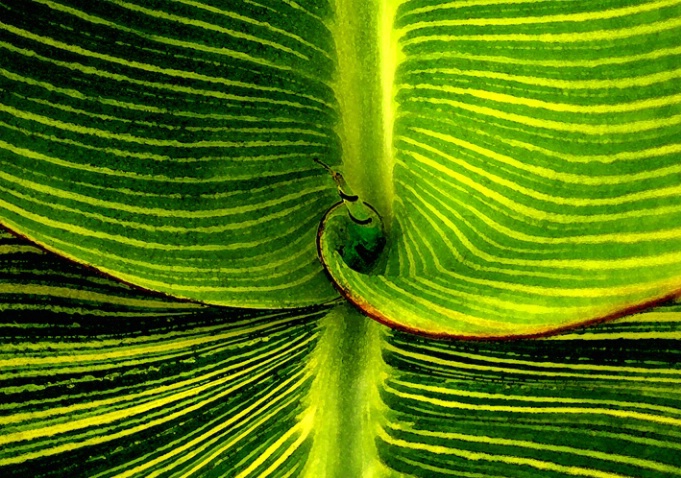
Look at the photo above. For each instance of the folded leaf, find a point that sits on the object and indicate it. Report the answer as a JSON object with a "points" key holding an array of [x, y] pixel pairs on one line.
{"points": [[536, 167], [170, 144]]}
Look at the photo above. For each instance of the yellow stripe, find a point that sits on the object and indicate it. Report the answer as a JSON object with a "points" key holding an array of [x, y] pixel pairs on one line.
{"points": [[145, 244], [512, 21], [529, 398], [207, 26], [302, 429], [148, 108], [163, 86], [574, 84], [623, 414], [161, 39], [178, 455], [74, 294], [110, 417], [541, 123], [143, 140], [510, 460], [561, 63], [223, 213], [577, 37], [598, 455], [635, 105], [551, 365], [472, 3], [535, 242], [129, 352], [546, 374], [252, 21], [539, 215]]}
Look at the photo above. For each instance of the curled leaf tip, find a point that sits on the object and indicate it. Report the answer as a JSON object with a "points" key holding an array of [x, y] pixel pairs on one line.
{"points": [[358, 235]]}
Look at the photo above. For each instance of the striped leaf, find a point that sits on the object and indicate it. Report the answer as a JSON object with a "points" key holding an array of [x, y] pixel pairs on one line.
{"points": [[600, 402], [98, 379], [169, 143], [536, 166]]}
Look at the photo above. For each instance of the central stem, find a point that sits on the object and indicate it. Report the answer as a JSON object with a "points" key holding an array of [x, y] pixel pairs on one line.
{"points": [[366, 49], [349, 367]]}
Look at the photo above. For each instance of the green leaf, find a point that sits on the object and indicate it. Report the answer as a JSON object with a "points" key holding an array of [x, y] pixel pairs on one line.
{"points": [[523, 155], [169, 143], [99, 379], [536, 167]]}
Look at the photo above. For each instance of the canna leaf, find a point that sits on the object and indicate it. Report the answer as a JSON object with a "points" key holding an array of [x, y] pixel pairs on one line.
{"points": [[169, 143], [99, 379], [522, 155], [536, 167]]}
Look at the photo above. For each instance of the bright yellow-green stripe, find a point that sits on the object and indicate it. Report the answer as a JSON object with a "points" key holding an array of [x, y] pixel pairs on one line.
{"points": [[145, 244], [536, 241], [169, 269], [213, 333], [647, 153], [574, 84], [175, 42], [577, 264], [131, 106], [511, 460], [145, 156], [146, 66], [560, 18], [110, 417], [625, 414], [158, 212], [546, 374], [74, 294], [178, 455], [590, 129], [598, 455], [302, 428], [622, 107], [156, 69], [579, 37], [521, 208], [551, 365], [95, 404], [75, 311], [470, 3], [531, 398], [20, 250], [562, 63], [162, 86], [570, 178], [143, 140], [207, 26], [252, 21]]}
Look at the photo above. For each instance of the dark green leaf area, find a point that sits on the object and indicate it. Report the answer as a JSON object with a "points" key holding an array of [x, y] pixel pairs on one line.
{"points": [[169, 143], [601, 400], [100, 379], [162, 28]]}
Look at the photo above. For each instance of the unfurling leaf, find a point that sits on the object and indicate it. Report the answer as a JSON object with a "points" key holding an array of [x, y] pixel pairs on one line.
{"points": [[358, 236], [523, 156]]}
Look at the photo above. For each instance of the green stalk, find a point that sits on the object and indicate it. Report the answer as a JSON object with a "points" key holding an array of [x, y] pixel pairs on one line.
{"points": [[367, 55], [345, 397]]}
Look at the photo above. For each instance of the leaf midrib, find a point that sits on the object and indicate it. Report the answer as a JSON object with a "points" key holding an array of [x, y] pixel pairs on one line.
{"points": [[367, 52]]}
